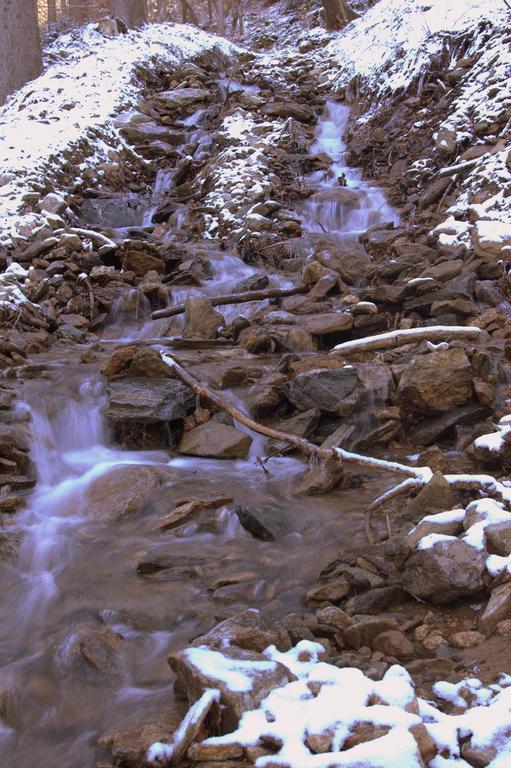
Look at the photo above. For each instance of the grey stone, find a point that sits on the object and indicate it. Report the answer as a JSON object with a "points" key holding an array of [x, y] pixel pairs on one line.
{"points": [[148, 401], [444, 572], [264, 524], [334, 390]]}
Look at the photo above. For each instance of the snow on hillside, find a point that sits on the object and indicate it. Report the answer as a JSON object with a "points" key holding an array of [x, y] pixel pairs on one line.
{"points": [[391, 47], [395, 40], [66, 111]]}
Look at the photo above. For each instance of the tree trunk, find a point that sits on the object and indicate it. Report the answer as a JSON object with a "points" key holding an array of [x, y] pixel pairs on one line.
{"points": [[52, 12], [78, 11], [162, 10], [188, 14], [221, 17], [132, 12], [20, 45], [337, 13]]}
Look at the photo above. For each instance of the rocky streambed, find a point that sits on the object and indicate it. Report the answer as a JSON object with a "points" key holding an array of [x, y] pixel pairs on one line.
{"points": [[140, 521]]}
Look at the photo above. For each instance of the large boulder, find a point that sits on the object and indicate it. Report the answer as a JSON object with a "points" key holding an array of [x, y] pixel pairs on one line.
{"points": [[247, 630], [201, 320], [244, 678], [215, 440], [122, 490], [148, 401], [436, 382], [334, 390], [444, 572]]}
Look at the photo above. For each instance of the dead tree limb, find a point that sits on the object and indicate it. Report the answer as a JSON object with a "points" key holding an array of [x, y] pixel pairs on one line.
{"points": [[422, 474], [396, 338], [234, 298]]}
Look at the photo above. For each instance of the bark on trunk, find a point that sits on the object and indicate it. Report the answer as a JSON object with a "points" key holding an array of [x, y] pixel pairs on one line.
{"points": [[132, 12], [221, 16], [78, 11], [337, 13], [20, 45], [52, 12]]}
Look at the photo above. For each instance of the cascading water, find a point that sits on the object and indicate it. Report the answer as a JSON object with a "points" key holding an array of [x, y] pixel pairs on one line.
{"points": [[344, 204], [74, 571]]}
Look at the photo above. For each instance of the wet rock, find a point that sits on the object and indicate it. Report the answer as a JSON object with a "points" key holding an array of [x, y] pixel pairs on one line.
{"points": [[186, 509], [122, 491], [300, 425], [333, 591], [436, 382], [328, 322], [201, 320], [429, 430], [436, 496], [198, 669], [497, 609], [216, 440], [444, 572], [364, 631], [375, 600], [129, 743], [263, 523], [247, 630], [133, 361], [468, 639], [331, 390], [320, 478], [148, 401], [141, 262], [393, 643], [95, 644]]}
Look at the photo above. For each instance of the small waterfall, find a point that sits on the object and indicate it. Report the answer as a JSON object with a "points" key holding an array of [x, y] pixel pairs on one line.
{"points": [[344, 203], [130, 307]]}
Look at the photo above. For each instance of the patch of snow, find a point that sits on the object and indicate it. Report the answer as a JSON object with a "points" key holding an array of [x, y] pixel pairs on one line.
{"points": [[68, 111], [237, 674], [329, 703]]}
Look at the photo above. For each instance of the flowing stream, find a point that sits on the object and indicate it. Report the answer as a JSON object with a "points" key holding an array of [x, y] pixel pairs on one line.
{"points": [[75, 585]]}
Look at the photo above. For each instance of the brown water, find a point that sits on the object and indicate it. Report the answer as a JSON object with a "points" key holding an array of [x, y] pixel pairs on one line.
{"points": [[74, 569]]}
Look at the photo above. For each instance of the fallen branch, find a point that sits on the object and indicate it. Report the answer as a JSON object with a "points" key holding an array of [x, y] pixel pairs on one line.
{"points": [[234, 298], [421, 474], [101, 241], [466, 166], [396, 338], [416, 477]]}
